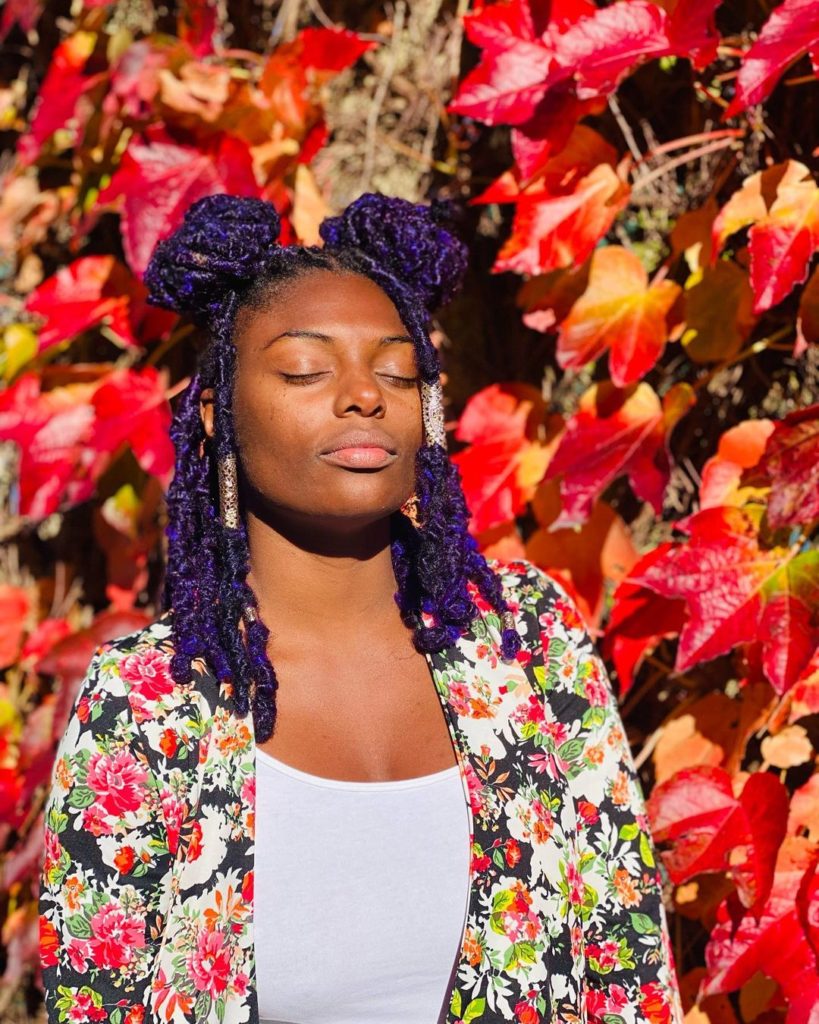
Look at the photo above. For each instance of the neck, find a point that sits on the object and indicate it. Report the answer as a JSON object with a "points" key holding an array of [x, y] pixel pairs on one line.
{"points": [[321, 580]]}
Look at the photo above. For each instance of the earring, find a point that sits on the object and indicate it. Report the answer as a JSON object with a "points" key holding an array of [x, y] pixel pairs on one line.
{"points": [[410, 510], [432, 413], [228, 491]]}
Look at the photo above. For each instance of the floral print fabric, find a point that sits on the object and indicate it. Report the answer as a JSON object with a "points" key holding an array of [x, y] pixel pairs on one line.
{"points": [[146, 904]]}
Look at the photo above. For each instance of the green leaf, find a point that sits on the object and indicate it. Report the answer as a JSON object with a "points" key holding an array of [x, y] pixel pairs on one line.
{"points": [[115, 1016], [502, 900], [594, 718], [613, 1018], [643, 924], [645, 850], [474, 1010], [629, 831], [571, 749], [540, 677], [78, 926], [81, 796], [455, 1003]]}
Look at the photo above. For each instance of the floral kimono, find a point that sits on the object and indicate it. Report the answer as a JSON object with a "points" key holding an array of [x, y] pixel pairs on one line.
{"points": [[146, 904]]}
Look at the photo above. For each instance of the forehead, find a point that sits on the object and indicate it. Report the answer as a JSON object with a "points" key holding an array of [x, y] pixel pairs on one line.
{"points": [[321, 299]]}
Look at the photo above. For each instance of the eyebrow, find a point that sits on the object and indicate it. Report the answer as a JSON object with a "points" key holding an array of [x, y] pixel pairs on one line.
{"points": [[388, 339]]}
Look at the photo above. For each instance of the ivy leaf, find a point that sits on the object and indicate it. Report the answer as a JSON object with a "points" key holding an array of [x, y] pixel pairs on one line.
{"points": [[728, 581], [781, 204], [505, 426], [709, 829], [158, 179], [791, 29], [790, 466], [616, 432], [620, 312], [772, 941]]}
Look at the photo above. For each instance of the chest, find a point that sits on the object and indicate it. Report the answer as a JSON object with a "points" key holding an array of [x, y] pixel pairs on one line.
{"points": [[346, 715]]}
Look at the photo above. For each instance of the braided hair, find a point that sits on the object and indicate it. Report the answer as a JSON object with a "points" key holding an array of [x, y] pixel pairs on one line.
{"points": [[225, 256]]}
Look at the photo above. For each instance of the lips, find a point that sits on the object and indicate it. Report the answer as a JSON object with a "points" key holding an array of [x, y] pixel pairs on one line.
{"points": [[361, 449], [361, 439]]}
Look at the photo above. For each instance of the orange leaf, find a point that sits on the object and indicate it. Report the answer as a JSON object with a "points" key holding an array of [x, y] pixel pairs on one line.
{"points": [[600, 550], [620, 312], [739, 448]]}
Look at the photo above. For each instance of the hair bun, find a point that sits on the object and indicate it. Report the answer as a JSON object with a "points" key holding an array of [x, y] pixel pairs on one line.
{"points": [[407, 240], [222, 243]]}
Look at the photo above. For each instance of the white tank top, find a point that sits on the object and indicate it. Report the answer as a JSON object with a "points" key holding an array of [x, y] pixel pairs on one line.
{"points": [[360, 895]]}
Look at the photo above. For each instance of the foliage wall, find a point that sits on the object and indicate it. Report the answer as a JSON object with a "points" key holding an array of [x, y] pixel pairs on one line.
{"points": [[632, 371]]}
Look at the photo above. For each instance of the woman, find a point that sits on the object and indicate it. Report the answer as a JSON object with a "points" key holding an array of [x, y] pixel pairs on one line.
{"points": [[324, 604]]}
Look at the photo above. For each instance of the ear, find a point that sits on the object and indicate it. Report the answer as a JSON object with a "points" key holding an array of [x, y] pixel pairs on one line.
{"points": [[206, 410]]}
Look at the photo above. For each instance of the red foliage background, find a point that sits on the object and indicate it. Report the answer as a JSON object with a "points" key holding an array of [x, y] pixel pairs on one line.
{"points": [[632, 371]]}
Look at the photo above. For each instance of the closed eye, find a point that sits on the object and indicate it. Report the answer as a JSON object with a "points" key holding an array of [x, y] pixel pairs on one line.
{"points": [[309, 378]]}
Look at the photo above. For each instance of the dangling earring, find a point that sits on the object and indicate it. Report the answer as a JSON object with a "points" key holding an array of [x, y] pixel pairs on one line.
{"points": [[432, 413], [228, 491]]}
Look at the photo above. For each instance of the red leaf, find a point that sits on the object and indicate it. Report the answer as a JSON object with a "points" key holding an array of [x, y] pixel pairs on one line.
{"points": [[87, 292], [781, 204], [712, 830], [507, 457], [603, 48], [791, 29], [728, 582], [130, 405], [198, 26], [332, 49], [583, 50], [67, 435], [619, 312], [554, 231], [790, 464], [25, 13], [158, 179], [639, 620], [692, 29], [772, 942], [65, 82], [616, 432]]}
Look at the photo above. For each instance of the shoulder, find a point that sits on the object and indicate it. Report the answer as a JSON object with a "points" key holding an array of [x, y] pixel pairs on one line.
{"points": [[130, 675], [532, 593]]}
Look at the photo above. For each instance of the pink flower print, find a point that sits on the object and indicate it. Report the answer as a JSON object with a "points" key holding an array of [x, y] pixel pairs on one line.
{"points": [[174, 812], [95, 821], [53, 849], [595, 692], [248, 791], [117, 781], [574, 880], [84, 1010], [209, 965], [614, 1000], [605, 954], [475, 787], [459, 698], [149, 673], [556, 731], [78, 953], [114, 937], [240, 983]]}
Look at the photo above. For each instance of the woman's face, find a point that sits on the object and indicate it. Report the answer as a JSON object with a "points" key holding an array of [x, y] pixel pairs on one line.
{"points": [[326, 403]]}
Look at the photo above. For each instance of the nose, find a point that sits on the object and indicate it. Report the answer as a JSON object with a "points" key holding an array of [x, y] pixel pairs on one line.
{"points": [[359, 391]]}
